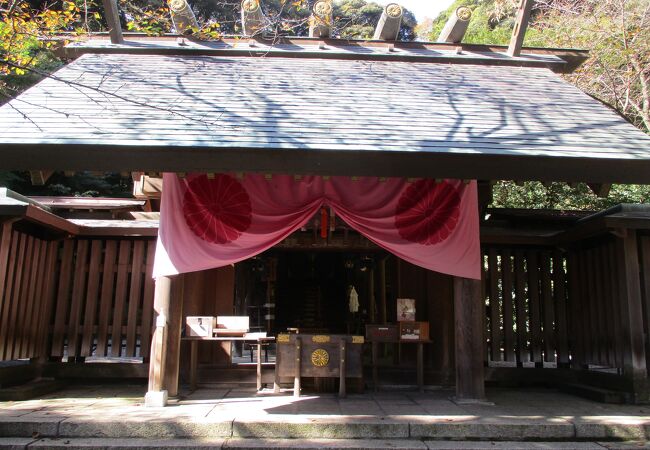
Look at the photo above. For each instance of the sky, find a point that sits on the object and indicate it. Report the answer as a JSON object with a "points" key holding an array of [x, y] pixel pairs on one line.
{"points": [[421, 8]]}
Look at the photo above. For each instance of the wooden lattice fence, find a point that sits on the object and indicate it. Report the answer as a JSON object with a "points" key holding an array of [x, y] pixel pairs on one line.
{"points": [[526, 305]]}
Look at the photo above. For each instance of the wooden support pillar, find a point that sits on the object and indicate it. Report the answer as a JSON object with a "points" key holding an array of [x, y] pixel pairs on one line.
{"points": [[634, 357], [382, 291], [112, 16], [468, 315], [342, 370], [298, 362], [372, 304], [521, 24], [157, 395], [172, 358]]}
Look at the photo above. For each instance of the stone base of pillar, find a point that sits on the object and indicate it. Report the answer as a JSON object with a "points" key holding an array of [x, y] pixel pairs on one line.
{"points": [[155, 399]]}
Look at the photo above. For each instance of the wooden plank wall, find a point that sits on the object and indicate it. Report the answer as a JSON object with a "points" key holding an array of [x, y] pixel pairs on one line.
{"points": [[104, 298], [594, 289], [27, 265], [526, 305]]}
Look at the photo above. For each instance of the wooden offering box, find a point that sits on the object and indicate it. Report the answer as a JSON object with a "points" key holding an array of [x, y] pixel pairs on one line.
{"points": [[382, 333], [414, 331], [318, 356]]}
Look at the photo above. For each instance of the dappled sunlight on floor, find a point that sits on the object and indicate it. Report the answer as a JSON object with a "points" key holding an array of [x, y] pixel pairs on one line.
{"points": [[125, 402]]}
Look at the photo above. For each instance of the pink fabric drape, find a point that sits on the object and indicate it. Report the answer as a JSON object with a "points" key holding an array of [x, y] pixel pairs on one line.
{"points": [[212, 222]]}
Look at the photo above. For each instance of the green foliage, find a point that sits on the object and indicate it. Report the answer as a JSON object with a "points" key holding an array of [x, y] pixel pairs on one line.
{"points": [[83, 184], [357, 19], [491, 22], [535, 195]]}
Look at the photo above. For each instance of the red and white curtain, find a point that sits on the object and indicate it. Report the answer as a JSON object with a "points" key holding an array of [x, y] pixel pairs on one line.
{"points": [[209, 222]]}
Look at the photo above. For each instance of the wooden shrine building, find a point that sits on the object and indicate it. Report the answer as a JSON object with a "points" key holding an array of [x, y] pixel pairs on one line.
{"points": [[563, 299]]}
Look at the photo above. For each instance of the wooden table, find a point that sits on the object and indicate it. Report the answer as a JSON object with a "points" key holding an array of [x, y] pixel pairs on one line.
{"points": [[194, 353], [420, 359]]}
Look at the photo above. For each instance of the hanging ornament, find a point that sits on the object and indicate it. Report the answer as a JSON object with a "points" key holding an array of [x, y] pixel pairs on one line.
{"points": [[353, 300]]}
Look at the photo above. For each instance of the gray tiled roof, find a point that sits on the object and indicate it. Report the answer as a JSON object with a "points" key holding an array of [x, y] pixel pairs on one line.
{"points": [[336, 106]]}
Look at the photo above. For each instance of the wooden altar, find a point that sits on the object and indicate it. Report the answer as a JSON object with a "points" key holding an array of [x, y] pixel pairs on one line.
{"points": [[318, 356]]}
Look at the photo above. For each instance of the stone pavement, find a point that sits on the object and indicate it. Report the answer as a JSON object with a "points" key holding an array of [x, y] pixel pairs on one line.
{"points": [[113, 417]]}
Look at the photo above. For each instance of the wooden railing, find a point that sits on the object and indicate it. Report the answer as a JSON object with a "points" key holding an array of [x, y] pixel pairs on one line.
{"points": [[104, 298], [526, 305], [26, 288], [594, 286]]}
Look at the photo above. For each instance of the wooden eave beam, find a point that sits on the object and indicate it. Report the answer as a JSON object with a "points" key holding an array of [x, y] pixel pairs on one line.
{"points": [[38, 216], [117, 231], [112, 16], [49, 220], [315, 161], [570, 59], [521, 24]]}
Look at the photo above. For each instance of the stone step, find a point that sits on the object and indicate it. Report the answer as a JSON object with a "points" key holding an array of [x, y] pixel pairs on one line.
{"points": [[32, 389], [597, 394], [418, 428], [303, 444]]}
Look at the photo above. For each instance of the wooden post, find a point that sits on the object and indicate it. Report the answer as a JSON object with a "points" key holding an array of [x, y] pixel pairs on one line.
{"points": [[259, 365], [194, 362], [342, 369], [634, 358], [372, 304], [375, 374], [172, 359], [382, 291], [112, 16], [521, 24], [468, 313], [296, 379], [420, 369], [157, 396]]}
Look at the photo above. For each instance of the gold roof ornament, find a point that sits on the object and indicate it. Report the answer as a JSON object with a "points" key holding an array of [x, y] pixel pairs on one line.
{"points": [[320, 20], [253, 20], [182, 16], [250, 5], [463, 13], [323, 8], [394, 10]]}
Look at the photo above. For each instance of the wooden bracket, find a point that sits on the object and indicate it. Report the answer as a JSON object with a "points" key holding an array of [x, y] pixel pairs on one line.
{"points": [[40, 177], [600, 189]]}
